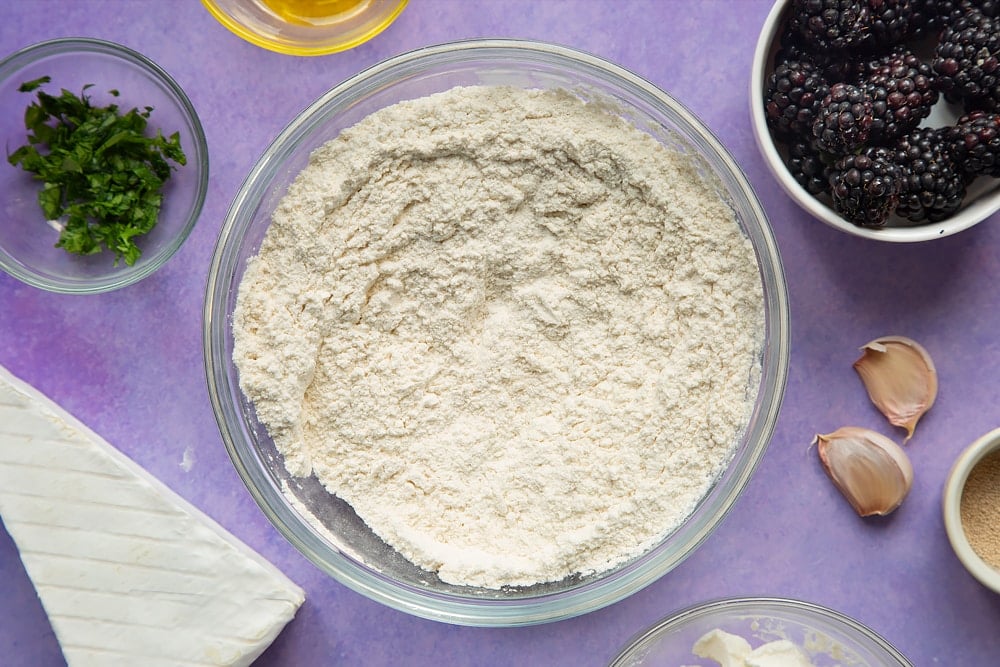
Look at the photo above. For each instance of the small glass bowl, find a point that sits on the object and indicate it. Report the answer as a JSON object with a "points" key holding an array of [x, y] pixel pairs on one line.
{"points": [[954, 488], [326, 529], [27, 241], [258, 22], [829, 638], [982, 199]]}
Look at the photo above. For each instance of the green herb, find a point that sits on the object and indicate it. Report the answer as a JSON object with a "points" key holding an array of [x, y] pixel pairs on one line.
{"points": [[102, 176]]}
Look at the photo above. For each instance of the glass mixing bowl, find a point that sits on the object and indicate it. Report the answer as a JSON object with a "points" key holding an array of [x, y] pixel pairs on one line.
{"points": [[27, 241], [306, 28], [333, 537], [829, 638]]}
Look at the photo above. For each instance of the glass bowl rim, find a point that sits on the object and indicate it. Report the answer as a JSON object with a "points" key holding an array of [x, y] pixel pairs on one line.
{"points": [[750, 604], [68, 45], [428, 604]]}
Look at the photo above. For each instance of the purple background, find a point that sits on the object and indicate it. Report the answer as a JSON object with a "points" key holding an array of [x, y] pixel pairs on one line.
{"points": [[129, 363]]}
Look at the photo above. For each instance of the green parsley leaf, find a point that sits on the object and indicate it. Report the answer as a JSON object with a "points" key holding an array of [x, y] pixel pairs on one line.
{"points": [[102, 174], [29, 86]]}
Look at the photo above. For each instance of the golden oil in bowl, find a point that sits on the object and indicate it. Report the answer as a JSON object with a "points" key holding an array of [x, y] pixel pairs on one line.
{"points": [[306, 27], [316, 12]]}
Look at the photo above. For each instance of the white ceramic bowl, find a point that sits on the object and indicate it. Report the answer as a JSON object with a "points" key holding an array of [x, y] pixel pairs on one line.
{"points": [[325, 528], [982, 201], [952, 503]]}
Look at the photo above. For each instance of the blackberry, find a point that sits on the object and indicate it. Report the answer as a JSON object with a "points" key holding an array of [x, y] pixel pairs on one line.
{"points": [[899, 61], [990, 8], [929, 16], [865, 187], [844, 120], [975, 143], [807, 167], [794, 93], [832, 24], [967, 61], [901, 87], [891, 20], [933, 186], [835, 67]]}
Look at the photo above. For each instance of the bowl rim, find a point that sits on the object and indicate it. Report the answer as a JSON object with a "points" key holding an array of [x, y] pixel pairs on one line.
{"points": [[954, 487], [748, 605], [974, 212], [334, 44], [131, 275], [469, 610]]}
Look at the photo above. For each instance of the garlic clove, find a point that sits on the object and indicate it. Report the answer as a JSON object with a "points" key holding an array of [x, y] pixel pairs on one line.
{"points": [[871, 471], [900, 378]]}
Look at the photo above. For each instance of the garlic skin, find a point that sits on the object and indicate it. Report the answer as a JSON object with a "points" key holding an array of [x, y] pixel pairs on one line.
{"points": [[900, 378], [869, 469]]}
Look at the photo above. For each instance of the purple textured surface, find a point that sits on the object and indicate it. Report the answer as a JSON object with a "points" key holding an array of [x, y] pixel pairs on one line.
{"points": [[129, 363]]}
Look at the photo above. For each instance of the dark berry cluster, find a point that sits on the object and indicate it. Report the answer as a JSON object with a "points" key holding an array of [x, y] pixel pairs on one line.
{"points": [[848, 95]]}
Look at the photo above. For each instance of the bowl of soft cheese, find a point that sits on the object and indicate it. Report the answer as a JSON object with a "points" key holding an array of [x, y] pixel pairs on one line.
{"points": [[758, 632], [496, 332]]}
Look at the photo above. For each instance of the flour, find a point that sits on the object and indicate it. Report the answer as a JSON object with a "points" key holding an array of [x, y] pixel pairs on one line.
{"points": [[516, 334]]}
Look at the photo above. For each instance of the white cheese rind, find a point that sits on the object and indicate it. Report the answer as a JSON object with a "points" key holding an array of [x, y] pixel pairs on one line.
{"points": [[128, 572]]}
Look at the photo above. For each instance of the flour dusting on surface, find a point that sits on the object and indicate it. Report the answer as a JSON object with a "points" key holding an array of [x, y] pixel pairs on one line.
{"points": [[515, 333]]}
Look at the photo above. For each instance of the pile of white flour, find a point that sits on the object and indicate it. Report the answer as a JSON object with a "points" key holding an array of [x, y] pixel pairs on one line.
{"points": [[515, 333]]}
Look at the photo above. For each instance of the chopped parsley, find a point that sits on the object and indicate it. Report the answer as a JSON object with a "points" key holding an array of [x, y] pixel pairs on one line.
{"points": [[102, 175]]}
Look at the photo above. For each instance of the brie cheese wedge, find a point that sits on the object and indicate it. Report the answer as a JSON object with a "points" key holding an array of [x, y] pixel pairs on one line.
{"points": [[128, 572]]}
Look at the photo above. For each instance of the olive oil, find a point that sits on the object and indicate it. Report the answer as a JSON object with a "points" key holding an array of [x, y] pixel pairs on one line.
{"points": [[315, 12]]}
